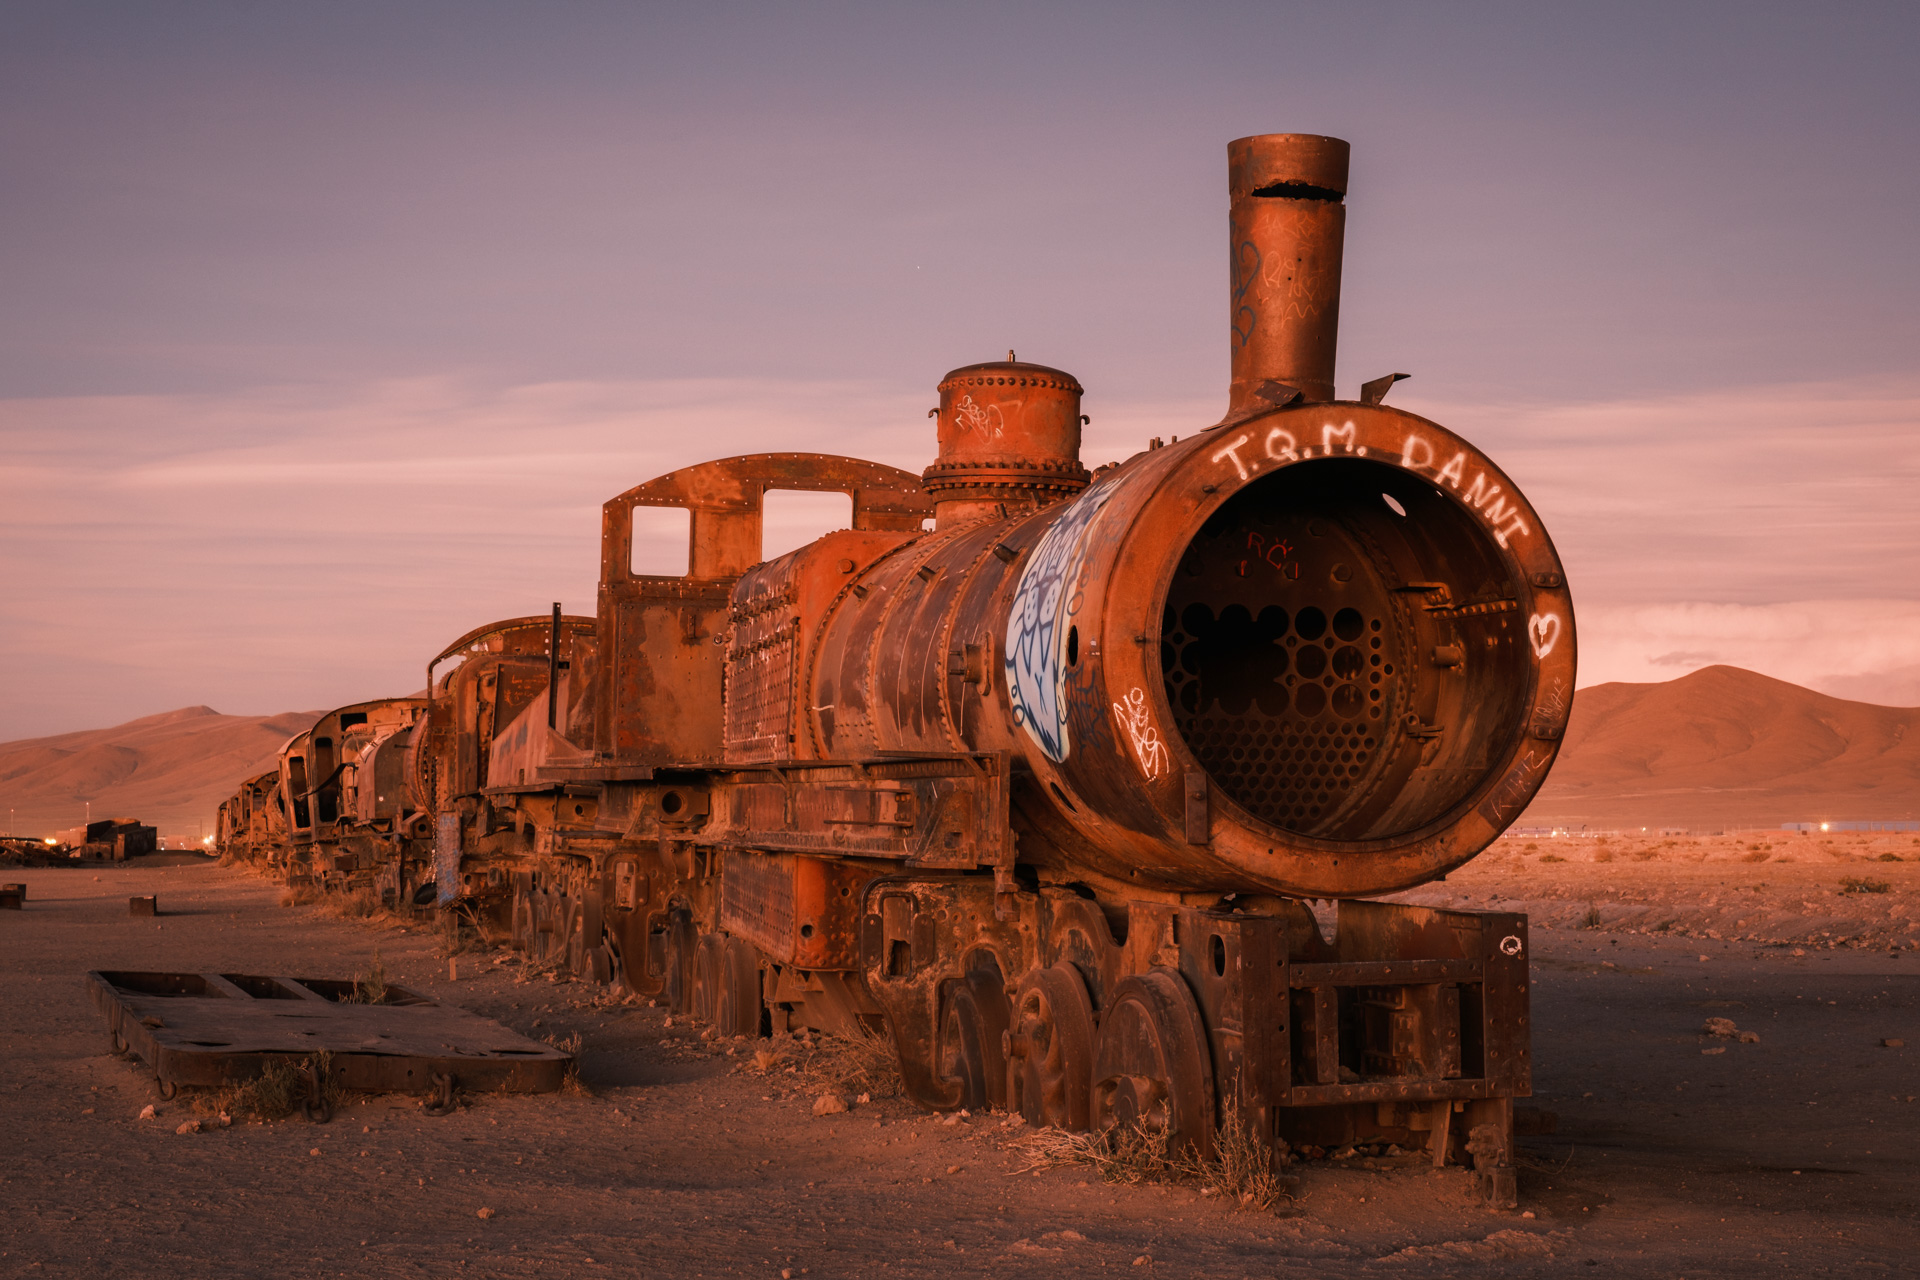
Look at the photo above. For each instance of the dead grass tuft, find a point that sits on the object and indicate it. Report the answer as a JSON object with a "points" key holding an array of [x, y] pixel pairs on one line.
{"points": [[275, 1093], [570, 1081], [459, 935], [1126, 1155], [361, 904], [1860, 884], [1241, 1170], [371, 986], [271, 1095], [861, 1064], [864, 1063]]}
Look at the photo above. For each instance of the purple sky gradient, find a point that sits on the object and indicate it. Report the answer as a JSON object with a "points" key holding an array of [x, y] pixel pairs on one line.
{"points": [[326, 329]]}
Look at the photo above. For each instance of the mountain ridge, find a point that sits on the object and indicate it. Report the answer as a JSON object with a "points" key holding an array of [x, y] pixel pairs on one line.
{"points": [[171, 769], [1724, 746], [1720, 747]]}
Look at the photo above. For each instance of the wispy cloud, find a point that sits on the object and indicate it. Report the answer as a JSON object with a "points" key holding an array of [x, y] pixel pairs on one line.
{"points": [[1868, 650], [306, 545], [1747, 495]]}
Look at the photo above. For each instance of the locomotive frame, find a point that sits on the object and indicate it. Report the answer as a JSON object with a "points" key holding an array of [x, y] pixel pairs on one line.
{"points": [[1079, 795]]}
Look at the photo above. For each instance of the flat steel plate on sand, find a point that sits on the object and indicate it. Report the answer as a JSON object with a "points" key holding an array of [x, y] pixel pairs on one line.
{"points": [[213, 1029]]}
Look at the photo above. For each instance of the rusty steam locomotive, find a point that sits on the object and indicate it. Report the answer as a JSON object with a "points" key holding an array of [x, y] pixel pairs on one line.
{"points": [[1075, 785]]}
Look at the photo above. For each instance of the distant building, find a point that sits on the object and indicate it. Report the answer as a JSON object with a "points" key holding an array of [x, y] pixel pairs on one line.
{"points": [[1817, 827], [112, 839]]}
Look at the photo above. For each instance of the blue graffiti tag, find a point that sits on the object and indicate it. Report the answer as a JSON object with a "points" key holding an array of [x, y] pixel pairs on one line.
{"points": [[1048, 596]]}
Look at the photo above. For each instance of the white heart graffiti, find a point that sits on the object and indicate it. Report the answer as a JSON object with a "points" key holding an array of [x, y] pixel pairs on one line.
{"points": [[1543, 629]]}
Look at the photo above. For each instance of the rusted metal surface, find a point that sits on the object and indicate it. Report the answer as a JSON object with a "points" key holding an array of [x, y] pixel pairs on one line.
{"points": [[668, 635], [212, 1029], [1287, 232], [485, 733], [251, 824], [1009, 441], [345, 800], [1037, 770]]}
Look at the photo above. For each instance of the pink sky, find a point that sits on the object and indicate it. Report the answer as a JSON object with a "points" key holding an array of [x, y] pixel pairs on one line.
{"points": [[325, 334]]}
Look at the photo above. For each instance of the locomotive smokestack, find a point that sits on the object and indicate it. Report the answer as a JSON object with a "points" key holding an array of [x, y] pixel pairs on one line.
{"points": [[1287, 227]]}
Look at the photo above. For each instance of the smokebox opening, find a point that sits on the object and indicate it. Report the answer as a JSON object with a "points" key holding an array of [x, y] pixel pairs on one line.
{"points": [[1341, 668]]}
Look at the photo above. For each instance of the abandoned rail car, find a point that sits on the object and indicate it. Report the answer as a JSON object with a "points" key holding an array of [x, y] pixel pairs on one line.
{"points": [[505, 697], [348, 811], [250, 825], [1075, 784]]}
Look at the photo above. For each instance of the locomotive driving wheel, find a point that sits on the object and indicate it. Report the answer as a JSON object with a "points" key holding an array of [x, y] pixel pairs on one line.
{"points": [[1049, 1048], [526, 934], [1152, 1068], [570, 936], [737, 1009], [709, 962], [672, 948], [973, 1036]]}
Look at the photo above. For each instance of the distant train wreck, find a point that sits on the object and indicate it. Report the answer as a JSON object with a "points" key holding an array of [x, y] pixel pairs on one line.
{"points": [[110, 840]]}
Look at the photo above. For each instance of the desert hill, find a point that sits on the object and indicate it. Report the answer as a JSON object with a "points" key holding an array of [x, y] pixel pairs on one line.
{"points": [[1726, 747], [171, 770], [1722, 747]]}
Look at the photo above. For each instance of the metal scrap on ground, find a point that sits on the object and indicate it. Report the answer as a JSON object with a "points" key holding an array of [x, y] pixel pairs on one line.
{"points": [[211, 1029]]}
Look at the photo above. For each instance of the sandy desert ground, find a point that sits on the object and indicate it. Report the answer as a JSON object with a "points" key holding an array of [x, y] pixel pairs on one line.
{"points": [[1815, 891], [1676, 1153]]}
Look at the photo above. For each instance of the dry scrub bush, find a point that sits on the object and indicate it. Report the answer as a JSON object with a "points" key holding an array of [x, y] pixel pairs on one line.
{"points": [[1126, 1155], [271, 1095], [276, 1092], [361, 904], [570, 1081], [1241, 1170], [861, 1064], [459, 934], [371, 986], [1859, 884]]}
